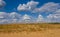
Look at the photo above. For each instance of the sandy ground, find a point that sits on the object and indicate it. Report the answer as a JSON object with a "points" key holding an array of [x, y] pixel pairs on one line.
{"points": [[47, 33]]}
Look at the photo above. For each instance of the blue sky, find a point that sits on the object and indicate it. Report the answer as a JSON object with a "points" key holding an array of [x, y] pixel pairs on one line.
{"points": [[43, 10], [11, 5]]}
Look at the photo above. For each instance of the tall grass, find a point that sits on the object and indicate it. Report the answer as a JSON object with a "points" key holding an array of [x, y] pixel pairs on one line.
{"points": [[8, 28]]}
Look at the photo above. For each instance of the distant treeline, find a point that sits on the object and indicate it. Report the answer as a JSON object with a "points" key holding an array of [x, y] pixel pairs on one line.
{"points": [[54, 23]]}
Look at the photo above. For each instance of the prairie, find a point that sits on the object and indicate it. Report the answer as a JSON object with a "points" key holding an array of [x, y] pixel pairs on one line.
{"points": [[30, 30]]}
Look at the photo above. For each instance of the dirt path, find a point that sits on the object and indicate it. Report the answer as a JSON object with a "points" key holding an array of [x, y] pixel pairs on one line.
{"points": [[47, 33]]}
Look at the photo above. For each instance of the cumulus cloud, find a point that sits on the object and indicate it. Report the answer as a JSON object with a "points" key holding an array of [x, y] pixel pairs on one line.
{"points": [[48, 7], [32, 6], [3, 21], [3, 15], [2, 3], [9, 17], [53, 18], [14, 15], [26, 18], [57, 11], [28, 6], [40, 19]]}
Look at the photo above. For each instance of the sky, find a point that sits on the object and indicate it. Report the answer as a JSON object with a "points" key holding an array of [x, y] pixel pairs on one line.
{"points": [[29, 11]]}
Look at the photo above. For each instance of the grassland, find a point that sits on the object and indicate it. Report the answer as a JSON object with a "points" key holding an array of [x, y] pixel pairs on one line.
{"points": [[8, 28], [30, 30]]}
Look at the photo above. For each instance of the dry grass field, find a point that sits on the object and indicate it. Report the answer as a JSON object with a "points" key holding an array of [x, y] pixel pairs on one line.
{"points": [[30, 30]]}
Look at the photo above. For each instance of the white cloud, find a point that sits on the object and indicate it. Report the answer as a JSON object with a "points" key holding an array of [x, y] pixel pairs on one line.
{"points": [[3, 21], [32, 6], [48, 7], [26, 18], [53, 18], [3, 15], [40, 19], [9, 17], [14, 15], [27, 7], [57, 11], [2, 3]]}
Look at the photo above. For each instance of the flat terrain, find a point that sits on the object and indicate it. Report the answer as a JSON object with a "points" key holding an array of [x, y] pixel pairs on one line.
{"points": [[30, 30]]}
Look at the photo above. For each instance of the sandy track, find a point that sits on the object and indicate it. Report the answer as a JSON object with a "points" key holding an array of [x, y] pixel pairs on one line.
{"points": [[47, 33]]}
